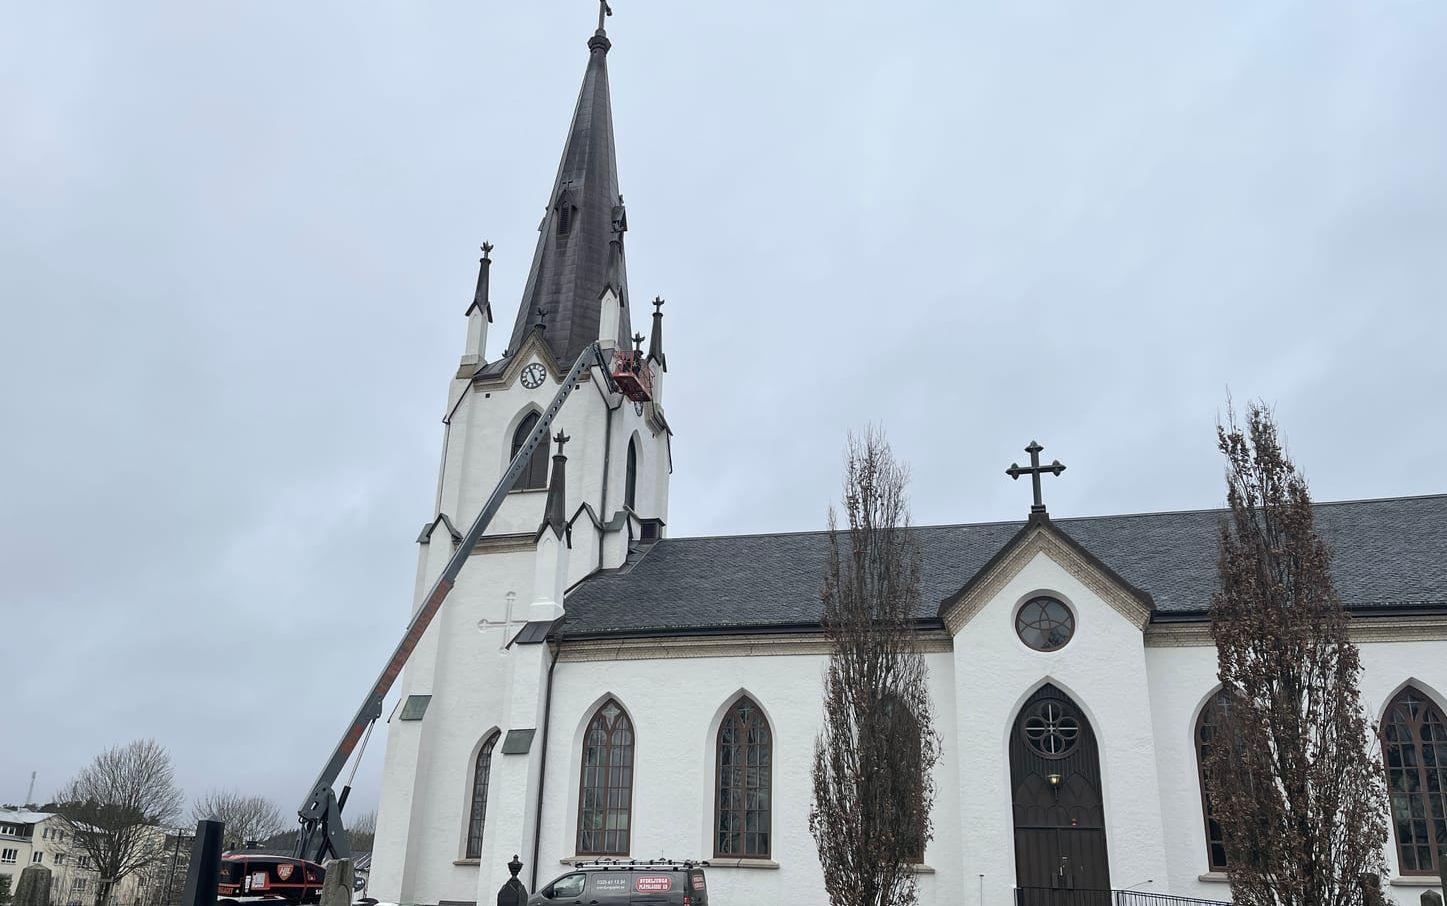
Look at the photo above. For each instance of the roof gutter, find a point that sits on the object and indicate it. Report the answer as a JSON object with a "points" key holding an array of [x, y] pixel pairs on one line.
{"points": [[1431, 608], [920, 624]]}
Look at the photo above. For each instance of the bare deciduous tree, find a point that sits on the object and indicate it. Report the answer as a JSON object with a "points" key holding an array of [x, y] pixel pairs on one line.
{"points": [[116, 808], [361, 830], [246, 818], [874, 759], [1294, 782]]}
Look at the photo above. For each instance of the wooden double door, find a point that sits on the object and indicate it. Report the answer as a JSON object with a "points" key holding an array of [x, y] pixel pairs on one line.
{"points": [[1060, 846]]}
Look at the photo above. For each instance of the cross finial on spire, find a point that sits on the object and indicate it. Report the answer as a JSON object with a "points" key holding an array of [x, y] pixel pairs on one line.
{"points": [[658, 303], [604, 11], [542, 316], [487, 248], [638, 343], [1035, 470], [561, 439]]}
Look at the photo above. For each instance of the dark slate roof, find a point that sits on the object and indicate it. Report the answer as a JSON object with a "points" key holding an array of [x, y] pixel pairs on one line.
{"points": [[569, 272], [1388, 554]]}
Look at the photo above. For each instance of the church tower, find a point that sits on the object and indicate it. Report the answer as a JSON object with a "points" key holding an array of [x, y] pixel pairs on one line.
{"points": [[462, 771]]}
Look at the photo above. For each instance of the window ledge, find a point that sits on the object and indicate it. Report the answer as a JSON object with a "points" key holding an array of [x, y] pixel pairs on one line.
{"points": [[1415, 881], [473, 862], [920, 868], [1214, 877], [742, 863], [528, 491]]}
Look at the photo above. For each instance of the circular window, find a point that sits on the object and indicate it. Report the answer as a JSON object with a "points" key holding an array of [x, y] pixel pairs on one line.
{"points": [[1051, 730], [1045, 624]]}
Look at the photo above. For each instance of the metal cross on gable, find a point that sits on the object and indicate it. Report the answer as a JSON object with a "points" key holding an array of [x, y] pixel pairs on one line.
{"points": [[1035, 470]]}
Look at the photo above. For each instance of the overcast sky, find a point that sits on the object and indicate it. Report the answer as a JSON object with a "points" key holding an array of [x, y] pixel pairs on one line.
{"points": [[237, 240]]}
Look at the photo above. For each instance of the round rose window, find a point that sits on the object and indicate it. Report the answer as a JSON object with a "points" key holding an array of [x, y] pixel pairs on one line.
{"points": [[1052, 731], [1045, 624]]}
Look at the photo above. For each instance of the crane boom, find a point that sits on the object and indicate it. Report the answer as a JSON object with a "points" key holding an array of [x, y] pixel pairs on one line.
{"points": [[322, 833]]}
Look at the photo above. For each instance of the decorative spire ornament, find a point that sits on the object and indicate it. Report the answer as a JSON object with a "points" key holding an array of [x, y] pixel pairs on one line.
{"points": [[655, 339], [555, 513], [480, 301]]}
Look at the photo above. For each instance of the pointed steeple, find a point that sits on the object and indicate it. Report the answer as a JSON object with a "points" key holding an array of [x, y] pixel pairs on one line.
{"points": [[655, 339], [480, 300], [580, 243], [555, 515]]}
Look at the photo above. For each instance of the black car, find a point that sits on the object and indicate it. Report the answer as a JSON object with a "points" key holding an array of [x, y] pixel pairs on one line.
{"points": [[609, 882]]}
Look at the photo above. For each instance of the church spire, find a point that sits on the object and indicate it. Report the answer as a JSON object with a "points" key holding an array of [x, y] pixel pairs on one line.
{"points": [[580, 243]]}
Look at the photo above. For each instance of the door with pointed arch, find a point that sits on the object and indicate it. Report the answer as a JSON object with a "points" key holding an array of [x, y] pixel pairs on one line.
{"points": [[1059, 813]]}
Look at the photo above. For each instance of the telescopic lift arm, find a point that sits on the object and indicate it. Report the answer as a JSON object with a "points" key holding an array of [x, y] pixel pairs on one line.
{"points": [[322, 833]]}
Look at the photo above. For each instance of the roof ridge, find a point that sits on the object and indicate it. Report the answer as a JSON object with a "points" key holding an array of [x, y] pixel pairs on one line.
{"points": [[1002, 522]]}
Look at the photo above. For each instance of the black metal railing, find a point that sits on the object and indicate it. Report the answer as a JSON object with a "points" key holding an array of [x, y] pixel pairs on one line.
{"points": [[1066, 896], [1146, 898]]}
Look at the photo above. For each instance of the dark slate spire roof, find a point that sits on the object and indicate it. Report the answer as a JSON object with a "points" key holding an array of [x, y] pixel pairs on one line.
{"points": [[555, 516], [655, 339], [480, 298], [1388, 556], [573, 261]]}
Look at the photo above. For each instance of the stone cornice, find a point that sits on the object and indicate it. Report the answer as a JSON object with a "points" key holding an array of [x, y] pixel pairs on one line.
{"points": [[735, 645], [1361, 628], [498, 544], [1042, 539]]}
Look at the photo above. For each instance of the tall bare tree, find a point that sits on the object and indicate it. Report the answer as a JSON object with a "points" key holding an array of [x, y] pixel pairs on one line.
{"points": [[117, 807], [875, 756], [246, 818], [1293, 780]]}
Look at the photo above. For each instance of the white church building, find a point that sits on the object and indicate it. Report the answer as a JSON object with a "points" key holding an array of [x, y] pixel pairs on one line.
{"points": [[595, 688]]}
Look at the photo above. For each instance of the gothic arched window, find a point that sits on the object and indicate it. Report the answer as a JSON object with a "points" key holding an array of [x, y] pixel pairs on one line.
{"points": [[535, 476], [743, 800], [1414, 748], [1207, 730], [630, 480], [901, 724], [605, 792], [478, 810]]}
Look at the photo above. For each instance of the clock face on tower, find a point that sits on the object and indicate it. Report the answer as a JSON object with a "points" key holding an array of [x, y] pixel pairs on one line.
{"points": [[533, 376]]}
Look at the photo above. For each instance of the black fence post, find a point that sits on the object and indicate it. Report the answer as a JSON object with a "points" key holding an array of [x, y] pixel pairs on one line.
{"points": [[513, 893], [204, 871]]}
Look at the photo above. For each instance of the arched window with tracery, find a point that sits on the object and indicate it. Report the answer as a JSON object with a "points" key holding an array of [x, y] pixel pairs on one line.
{"points": [[477, 814], [535, 476], [1208, 728], [1414, 749], [901, 724], [630, 480], [605, 791], [743, 800]]}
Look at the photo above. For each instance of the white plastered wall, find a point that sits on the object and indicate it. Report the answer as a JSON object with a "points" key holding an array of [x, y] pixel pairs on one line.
{"points": [[676, 705]]}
